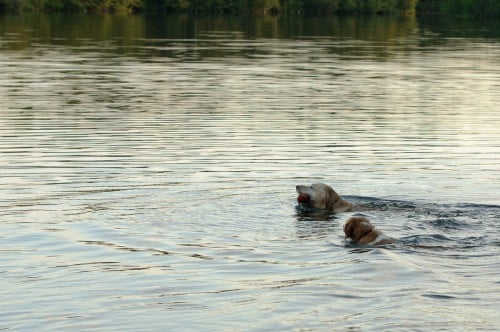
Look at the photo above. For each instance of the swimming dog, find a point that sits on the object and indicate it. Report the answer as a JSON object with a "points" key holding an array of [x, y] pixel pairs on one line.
{"points": [[360, 230], [322, 196]]}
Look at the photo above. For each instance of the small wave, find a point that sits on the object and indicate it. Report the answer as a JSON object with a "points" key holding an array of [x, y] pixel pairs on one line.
{"points": [[381, 204], [448, 223], [442, 242], [308, 213], [439, 296], [428, 239], [479, 206]]}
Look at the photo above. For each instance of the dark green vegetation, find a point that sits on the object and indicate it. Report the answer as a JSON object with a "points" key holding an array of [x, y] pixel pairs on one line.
{"points": [[477, 8], [466, 8]]}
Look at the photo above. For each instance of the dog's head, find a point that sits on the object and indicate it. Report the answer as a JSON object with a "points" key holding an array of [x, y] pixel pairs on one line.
{"points": [[318, 196], [358, 227]]}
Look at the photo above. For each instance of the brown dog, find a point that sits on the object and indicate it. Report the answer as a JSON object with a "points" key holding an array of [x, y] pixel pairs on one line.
{"points": [[360, 230], [322, 196]]}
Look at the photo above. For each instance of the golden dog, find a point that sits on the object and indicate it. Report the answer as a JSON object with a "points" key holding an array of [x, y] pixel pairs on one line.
{"points": [[360, 230], [322, 196]]}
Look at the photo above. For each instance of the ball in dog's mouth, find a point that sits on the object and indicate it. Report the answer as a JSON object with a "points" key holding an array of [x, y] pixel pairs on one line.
{"points": [[303, 198]]}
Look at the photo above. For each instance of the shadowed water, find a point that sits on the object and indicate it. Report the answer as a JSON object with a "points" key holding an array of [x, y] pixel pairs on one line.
{"points": [[149, 165]]}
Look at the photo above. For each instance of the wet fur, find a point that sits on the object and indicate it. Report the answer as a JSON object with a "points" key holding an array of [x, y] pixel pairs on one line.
{"points": [[360, 230], [324, 197]]}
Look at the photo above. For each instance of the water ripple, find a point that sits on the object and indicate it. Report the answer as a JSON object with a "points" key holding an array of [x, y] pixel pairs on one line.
{"points": [[149, 181]]}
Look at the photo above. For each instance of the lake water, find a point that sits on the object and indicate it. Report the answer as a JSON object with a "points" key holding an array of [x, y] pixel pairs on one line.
{"points": [[148, 169]]}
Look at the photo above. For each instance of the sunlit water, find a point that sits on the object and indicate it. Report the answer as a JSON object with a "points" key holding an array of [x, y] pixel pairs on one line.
{"points": [[148, 176]]}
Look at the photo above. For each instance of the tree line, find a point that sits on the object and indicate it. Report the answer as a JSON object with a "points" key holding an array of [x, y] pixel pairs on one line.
{"points": [[475, 8]]}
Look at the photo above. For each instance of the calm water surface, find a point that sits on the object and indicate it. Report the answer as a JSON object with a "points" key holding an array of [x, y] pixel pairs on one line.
{"points": [[148, 171]]}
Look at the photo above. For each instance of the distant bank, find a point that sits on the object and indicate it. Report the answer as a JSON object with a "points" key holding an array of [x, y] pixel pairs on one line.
{"points": [[466, 8]]}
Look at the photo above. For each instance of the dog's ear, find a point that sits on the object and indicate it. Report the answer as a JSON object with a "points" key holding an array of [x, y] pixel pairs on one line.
{"points": [[323, 200], [328, 198], [320, 198]]}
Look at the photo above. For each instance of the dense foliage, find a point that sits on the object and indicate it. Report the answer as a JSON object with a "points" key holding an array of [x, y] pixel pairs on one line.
{"points": [[262, 7], [476, 8]]}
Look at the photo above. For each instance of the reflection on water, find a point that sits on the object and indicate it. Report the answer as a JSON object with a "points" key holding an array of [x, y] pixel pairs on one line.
{"points": [[149, 165], [127, 31]]}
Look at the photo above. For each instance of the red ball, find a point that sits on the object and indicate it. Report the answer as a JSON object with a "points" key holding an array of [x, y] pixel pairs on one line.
{"points": [[303, 198]]}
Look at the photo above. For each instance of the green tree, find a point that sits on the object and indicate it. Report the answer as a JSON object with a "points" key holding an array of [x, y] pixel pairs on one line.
{"points": [[406, 6]]}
